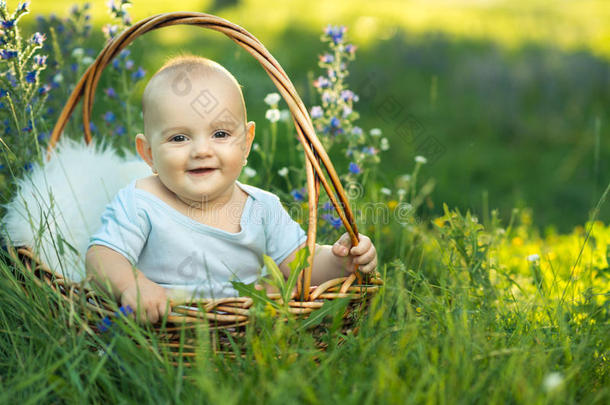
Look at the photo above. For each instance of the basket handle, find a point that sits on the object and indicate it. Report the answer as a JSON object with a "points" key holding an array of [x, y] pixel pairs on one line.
{"points": [[316, 156]]}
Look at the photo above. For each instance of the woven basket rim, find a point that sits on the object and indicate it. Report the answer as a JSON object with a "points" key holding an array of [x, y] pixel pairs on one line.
{"points": [[316, 157]]}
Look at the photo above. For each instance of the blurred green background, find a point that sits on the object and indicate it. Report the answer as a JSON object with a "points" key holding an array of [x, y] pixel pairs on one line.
{"points": [[509, 99]]}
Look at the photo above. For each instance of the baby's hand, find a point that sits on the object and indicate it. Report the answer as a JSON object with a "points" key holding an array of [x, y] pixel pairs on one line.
{"points": [[153, 300], [364, 254]]}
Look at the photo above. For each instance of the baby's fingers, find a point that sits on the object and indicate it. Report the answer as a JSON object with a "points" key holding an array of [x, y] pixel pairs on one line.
{"points": [[152, 313], [369, 267], [366, 258], [163, 308]]}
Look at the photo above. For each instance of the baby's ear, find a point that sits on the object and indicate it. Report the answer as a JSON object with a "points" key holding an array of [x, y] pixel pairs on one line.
{"points": [[144, 149], [250, 129]]}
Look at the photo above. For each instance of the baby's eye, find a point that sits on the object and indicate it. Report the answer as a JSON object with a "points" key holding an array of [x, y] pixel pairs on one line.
{"points": [[221, 134], [178, 138]]}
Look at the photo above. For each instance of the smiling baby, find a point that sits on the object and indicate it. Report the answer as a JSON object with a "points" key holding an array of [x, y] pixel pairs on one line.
{"points": [[192, 227]]}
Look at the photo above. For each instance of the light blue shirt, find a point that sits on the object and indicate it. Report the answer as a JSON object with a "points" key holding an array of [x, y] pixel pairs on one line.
{"points": [[182, 254]]}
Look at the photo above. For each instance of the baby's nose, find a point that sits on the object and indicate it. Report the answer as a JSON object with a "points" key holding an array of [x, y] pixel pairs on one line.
{"points": [[200, 147]]}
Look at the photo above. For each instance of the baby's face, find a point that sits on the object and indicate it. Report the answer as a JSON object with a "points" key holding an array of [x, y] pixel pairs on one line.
{"points": [[197, 137]]}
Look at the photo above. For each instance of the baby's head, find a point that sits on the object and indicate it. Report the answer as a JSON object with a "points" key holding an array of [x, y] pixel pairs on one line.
{"points": [[196, 135]]}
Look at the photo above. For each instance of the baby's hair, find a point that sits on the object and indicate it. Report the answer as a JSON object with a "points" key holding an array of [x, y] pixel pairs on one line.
{"points": [[187, 64]]}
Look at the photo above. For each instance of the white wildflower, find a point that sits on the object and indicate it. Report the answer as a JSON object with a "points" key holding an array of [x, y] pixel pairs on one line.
{"points": [[385, 144], [255, 146], [401, 192], [386, 191], [87, 60], [284, 115], [533, 258], [78, 53], [552, 381], [273, 115], [375, 132], [283, 171], [406, 178], [249, 172], [421, 159], [272, 99], [58, 78]]}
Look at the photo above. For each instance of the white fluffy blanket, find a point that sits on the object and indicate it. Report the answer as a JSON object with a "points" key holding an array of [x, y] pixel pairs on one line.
{"points": [[59, 204]]}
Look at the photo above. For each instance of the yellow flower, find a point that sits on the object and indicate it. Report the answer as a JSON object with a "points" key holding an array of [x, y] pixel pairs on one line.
{"points": [[517, 241], [392, 204], [439, 222], [270, 310]]}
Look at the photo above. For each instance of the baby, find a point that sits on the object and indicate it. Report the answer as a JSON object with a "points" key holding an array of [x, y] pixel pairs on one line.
{"points": [[191, 227]]}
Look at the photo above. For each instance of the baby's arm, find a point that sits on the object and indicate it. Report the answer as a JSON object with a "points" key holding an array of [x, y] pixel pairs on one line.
{"points": [[111, 269], [338, 260]]}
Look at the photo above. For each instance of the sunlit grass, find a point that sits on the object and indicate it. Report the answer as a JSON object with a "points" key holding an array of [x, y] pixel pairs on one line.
{"points": [[569, 25]]}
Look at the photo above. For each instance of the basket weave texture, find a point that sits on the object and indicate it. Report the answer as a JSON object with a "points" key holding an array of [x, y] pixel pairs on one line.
{"points": [[228, 313]]}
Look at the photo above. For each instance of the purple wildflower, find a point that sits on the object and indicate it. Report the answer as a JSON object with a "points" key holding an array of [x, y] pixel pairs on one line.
{"points": [[40, 60], [23, 7], [138, 74], [335, 122], [321, 83], [336, 33], [327, 58], [350, 48], [331, 219], [28, 128], [12, 79], [8, 24], [31, 76], [109, 116], [92, 127], [327, 97], [347, 95], [357, 131], [354, 168], [113, 8], [369, 150], [110, 92], [44, 89], [316, 112], [129, 64], [7, 54], [3, 93], [110, 30], [297, 195], [119, 130], [38, 38]]}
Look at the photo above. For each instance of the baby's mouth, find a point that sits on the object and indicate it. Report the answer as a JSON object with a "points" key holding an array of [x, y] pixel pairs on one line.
{"points": [[202, 170]]}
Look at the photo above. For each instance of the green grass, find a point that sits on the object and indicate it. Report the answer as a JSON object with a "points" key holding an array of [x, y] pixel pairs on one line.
{"points": [[436, 333]]}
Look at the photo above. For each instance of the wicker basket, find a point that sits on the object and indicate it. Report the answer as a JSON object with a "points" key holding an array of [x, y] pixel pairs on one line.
{"points": [[228, 314]]}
